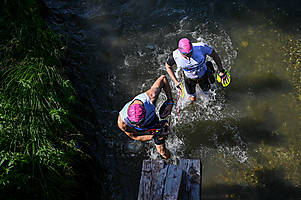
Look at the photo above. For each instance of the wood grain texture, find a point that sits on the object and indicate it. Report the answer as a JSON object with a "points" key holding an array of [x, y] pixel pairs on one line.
{"points": [[161, 181]]}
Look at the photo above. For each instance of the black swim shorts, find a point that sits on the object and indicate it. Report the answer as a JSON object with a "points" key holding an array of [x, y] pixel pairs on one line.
{"points": [[204, 82]]}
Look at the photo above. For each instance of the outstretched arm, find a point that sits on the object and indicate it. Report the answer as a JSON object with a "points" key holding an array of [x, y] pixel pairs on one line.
{"points": [[171, 74], [131, 132], [217, 61], [154, 91]]}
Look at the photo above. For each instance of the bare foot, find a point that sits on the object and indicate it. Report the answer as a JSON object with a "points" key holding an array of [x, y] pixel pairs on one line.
{"points": [[166, 154], [192, 99]]}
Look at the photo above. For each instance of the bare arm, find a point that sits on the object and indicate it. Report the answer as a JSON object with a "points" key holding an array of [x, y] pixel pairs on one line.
{"points": [[131, 132], [217, 61], [154, 91], [171, 74]]}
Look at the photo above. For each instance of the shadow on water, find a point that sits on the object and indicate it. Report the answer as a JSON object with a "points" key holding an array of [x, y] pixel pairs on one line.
{"points": [[261, 84], [284, 14], [212, 133], [271, 185], [209, 133], [257, 131]]}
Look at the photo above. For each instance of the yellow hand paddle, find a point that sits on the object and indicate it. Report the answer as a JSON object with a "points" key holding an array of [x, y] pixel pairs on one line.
{"points": [[180, 90], [225, 79]]}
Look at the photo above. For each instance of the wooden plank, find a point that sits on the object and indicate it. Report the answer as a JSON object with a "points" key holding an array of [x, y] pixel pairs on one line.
{"points": [[193, 177], [172, 183], [145, 181], [149, 175], [159, 186], [157, 166]]}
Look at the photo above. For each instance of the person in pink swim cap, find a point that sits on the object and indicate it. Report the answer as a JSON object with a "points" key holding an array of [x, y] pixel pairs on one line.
{"points": [[136, 113], [191, 58], [138, 118], [185, 46]]}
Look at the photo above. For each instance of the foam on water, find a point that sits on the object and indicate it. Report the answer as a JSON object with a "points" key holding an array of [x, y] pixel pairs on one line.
{"points": [[175, 145]]}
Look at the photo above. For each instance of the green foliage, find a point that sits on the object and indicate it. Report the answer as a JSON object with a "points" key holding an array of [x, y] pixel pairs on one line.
{"points": [[24, 34], [34, 100], [36, 177], [37, 151]]}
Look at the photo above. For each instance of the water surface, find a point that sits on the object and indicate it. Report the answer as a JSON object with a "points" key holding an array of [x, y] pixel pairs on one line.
{"points": [[247, 135]]}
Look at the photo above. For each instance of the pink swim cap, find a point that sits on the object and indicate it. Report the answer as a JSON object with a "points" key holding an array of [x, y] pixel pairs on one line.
{"points": [[136, 113], [185, 45]]}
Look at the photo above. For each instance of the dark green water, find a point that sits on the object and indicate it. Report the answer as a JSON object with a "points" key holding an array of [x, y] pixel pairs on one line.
{"points": [[247, 136]]}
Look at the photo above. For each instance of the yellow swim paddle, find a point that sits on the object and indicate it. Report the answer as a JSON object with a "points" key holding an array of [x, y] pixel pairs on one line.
{"points": [[180, 90], [225, 79]]}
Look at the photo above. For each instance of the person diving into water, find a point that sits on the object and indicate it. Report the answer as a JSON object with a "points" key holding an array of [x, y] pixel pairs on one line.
{"points": [[191, 57], [138, 118]]}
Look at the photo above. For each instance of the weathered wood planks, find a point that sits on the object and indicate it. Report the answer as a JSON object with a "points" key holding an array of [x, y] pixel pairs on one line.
{"points": [[161, 181], [172, 183], [192, 176], [149, 175]]}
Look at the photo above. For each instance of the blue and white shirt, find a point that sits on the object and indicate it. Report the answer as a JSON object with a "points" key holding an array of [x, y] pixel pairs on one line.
{"points": [[195, 67]]}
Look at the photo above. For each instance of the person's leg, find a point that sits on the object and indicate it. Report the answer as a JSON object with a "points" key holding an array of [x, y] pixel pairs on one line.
{"points": [[190, 88], [165, 153], [208, 78], [204, 84], [210, 72]]}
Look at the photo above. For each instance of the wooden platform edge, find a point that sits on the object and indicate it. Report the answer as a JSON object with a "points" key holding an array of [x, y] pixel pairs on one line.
{"points": [[160, 180]]}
